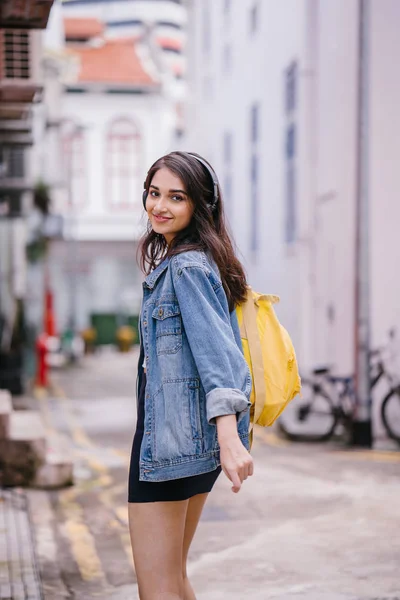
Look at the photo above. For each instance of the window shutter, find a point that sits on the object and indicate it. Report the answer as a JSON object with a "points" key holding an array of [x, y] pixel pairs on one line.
{"points": [[16, 54]]}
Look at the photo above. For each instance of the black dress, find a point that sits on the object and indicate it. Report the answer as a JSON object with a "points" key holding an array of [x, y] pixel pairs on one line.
{"points": [[161, 491]]}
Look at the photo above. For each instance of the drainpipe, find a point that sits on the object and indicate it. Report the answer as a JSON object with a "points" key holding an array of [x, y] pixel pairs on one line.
{"points": [[362, 427]]}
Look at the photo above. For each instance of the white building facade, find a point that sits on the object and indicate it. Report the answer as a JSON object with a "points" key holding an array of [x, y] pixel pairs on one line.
{"points": [[273, 105], [121, 110]]}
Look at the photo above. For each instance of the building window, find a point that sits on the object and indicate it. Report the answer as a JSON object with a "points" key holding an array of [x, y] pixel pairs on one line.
{"points": [[16, 54], [123, 150], [73, 139], [255, 125], [290, 142], [254, 203], [290, 108], [291, 88], [254, 176], [290, 225], [254, 17]]}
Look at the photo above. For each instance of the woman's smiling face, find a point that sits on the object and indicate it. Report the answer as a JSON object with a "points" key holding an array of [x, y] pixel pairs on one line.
{"points": [[168, 206]]}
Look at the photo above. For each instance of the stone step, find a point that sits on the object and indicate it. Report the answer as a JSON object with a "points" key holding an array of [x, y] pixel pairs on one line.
{"points": [[6, 409], [27, 426], [30, 456], [24, 449], [58, 469]]}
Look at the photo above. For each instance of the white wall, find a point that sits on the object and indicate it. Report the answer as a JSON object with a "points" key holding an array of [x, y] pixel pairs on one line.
{"points": [[315, 276], [385, 173], [220, 101], [335, 173], [53, 35], [336, 177]]}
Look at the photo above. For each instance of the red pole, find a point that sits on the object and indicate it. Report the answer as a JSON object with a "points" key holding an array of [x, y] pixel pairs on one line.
{"points": [[49, 325], [49, 321], [41, 352]]}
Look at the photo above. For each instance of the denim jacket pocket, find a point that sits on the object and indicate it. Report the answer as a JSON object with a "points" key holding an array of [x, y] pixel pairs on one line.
{"points": [[168, 328]]}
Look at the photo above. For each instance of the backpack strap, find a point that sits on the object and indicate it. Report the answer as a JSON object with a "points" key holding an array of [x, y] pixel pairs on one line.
{"points": [[253, 338]]}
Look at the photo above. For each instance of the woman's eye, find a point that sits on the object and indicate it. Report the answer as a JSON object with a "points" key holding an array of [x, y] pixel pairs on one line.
{"points": [[177, 198], [154, 193]]}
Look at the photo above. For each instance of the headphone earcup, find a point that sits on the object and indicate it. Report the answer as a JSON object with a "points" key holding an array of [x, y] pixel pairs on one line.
{"points": [[145, 194]]}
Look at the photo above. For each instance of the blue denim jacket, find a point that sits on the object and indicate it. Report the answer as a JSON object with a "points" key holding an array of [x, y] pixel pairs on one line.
{"points": [[195, 367]]}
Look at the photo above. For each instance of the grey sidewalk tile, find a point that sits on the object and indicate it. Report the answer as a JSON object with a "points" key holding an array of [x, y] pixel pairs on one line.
{"points": [[18, 570]]}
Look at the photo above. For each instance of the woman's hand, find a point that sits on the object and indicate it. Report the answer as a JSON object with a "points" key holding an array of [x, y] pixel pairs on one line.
{"points": [[236, 462]]}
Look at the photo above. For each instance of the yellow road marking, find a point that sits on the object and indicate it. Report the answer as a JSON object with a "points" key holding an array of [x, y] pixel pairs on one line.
{"points": [[78, 434], [121, 454], [122, 514], [40, 392], [126, 541], [121, 521], [44, 409], [270, 437], [98, 466], [81, 541], [56, 390], [369, 455], [82, 544]]}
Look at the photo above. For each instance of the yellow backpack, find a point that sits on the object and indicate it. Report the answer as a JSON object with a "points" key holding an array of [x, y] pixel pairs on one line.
{"points": [[270, 354]]}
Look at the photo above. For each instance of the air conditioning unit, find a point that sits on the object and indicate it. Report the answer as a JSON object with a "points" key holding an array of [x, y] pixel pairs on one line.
{"points": [[29, 14], [19, 65]]}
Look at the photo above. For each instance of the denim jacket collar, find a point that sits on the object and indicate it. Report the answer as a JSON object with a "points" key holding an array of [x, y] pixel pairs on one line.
{"points": [[152, 279]]}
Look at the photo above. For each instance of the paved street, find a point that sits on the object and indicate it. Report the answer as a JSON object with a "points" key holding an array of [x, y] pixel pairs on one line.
{"points": [[314, 523]]}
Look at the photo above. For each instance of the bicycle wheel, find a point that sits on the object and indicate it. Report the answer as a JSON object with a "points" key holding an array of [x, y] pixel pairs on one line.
{"points": [[390, 412], [311, 418]]}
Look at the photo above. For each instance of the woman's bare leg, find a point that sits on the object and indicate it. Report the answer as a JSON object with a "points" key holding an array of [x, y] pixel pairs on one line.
{"points": [[193, 514], [157, 533]]}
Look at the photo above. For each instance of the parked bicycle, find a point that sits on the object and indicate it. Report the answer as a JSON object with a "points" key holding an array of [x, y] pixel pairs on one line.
{"points": [[326, 407]]}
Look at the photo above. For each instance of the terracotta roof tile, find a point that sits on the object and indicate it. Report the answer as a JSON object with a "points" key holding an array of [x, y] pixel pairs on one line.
{"points": [[172, 43], [115, 62], [77, 28]]}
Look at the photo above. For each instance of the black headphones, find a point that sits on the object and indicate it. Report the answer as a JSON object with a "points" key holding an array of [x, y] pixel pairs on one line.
{"points": [[209, 170]]}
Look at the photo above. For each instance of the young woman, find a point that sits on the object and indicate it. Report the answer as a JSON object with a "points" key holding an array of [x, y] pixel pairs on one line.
{"points": [[193, 384]]}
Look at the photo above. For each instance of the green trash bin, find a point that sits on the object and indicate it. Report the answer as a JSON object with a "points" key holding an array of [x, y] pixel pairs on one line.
{"points": [[106, 326], [133, 321]]}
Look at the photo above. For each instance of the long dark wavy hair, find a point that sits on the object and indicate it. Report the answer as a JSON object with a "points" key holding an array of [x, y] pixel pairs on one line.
{"points": [[206, 231]]}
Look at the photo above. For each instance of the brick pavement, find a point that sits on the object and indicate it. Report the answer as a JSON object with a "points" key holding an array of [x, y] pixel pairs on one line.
{"points": [[19, 578]]}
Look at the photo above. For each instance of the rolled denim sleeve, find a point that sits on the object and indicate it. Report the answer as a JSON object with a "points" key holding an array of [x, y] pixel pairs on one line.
{"points": [[222, 368]]}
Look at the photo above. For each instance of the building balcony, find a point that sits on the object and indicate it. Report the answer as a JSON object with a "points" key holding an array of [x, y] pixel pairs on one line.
{"points": [[14, 111], [24, 14], [19, 91]]}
